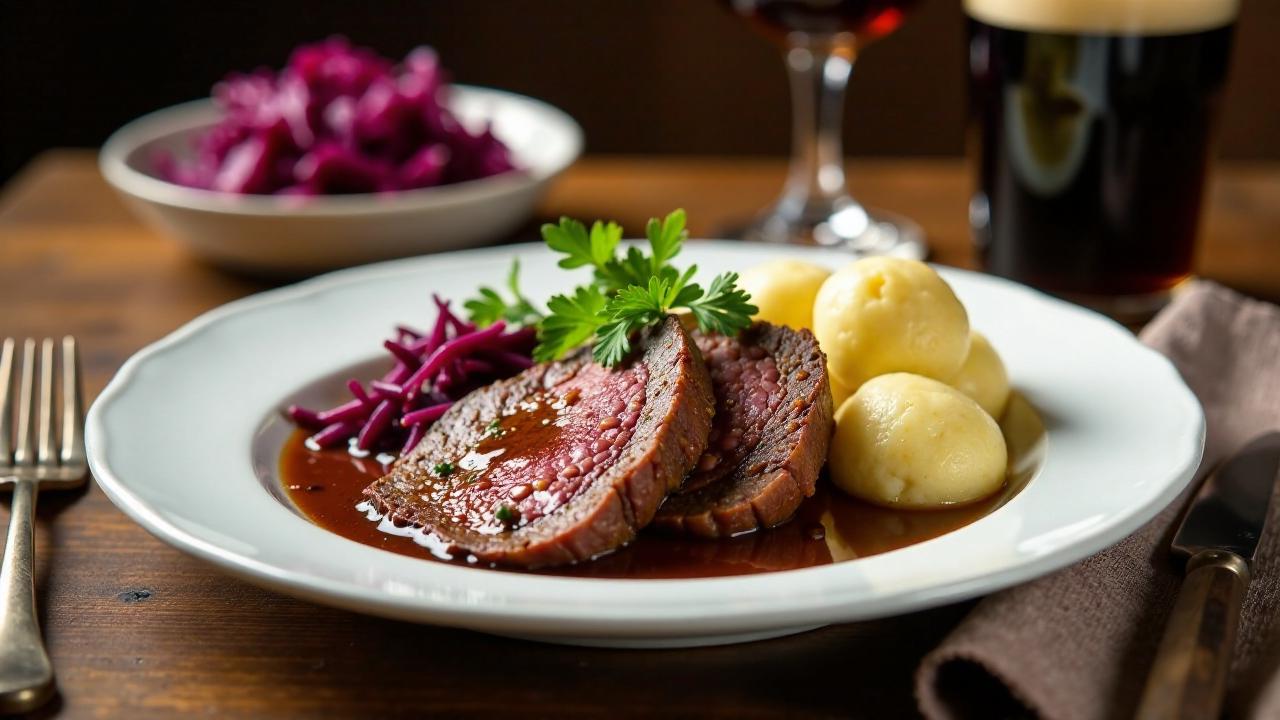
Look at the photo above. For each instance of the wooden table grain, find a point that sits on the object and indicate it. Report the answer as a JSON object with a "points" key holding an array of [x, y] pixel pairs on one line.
{"points": [[138, 629]]}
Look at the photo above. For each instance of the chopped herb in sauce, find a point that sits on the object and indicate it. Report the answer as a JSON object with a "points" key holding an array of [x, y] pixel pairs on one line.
{"points": [[444, 469], [506, 514], [494, 428]]}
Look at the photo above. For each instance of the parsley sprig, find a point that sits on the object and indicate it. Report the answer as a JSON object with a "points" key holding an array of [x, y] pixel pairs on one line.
{"points": [[629, 291], [491, 307]]}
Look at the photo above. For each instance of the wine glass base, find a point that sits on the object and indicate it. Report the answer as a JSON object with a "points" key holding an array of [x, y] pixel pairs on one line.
{"points": [[862, 231]]}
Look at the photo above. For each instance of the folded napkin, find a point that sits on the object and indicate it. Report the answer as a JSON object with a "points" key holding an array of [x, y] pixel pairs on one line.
{"points": [[1077, 644]]}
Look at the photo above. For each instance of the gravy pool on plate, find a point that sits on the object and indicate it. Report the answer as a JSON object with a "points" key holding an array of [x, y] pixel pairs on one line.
{"points": [[829, 527]]}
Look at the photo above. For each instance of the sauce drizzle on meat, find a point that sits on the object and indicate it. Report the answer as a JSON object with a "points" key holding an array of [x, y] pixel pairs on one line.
{"points": [[829, 527]]}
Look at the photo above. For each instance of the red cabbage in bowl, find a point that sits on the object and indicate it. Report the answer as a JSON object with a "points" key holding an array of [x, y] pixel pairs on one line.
{"points": [[337, 119]]}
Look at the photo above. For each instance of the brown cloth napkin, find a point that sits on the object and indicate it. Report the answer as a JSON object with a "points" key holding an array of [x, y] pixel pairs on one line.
{"points": [[1077, 644]]}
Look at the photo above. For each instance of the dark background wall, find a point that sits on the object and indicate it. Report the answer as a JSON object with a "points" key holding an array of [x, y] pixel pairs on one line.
{"points": [[642, 76]]}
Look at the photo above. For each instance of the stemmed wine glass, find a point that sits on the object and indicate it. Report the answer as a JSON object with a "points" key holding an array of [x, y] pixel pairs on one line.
{"points": [[820, 40]]}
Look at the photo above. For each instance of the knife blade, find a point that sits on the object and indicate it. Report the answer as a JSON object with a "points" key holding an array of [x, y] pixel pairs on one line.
{"points": [[1230, 508], [1218, 537]]}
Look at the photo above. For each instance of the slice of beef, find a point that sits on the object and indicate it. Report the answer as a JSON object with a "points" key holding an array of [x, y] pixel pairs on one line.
{"points": [[769, 438], [563, 462]]}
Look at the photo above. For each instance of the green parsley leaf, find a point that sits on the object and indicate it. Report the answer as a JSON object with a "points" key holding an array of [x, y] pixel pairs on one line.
{"points": [[598, 249], [491, 307], [486, 309], [604, 240], [631, 291], [725, 308], [570, 238], [444, 469], [570, 321], [631, 269], [681, 293], [665, 238], [613, 342], [632, 308], [644, 304], [513, 279], [581, 248], [521, 312]]}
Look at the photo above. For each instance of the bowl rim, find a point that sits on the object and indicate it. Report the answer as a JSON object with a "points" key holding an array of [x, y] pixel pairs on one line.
{"points": [[113, 163]]}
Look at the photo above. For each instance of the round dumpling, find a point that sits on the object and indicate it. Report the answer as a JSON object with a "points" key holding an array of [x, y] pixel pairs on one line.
{"points": [[784, 291], [839, 393], [881, 315], [983, 377], [909, 441]]}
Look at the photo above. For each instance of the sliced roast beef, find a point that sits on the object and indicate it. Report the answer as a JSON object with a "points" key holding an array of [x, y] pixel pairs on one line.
{"points": [[564, 462], [770, 435]]}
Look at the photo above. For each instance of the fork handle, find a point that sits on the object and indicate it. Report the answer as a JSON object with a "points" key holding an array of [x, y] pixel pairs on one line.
{"points": [[26, 674]]}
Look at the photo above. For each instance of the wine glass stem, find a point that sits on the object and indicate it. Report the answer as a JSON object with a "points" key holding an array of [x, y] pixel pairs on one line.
{"points": [[819, 68]]}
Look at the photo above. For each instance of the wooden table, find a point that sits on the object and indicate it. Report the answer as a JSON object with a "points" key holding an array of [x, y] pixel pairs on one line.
{"points": [[137, 628]]}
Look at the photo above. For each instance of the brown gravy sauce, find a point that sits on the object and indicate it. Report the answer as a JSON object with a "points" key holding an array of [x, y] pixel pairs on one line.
{"points": [[829, 527]]}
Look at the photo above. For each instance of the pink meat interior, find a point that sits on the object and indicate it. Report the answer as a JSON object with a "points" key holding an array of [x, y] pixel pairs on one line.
{"points": [[747, 393], [544, 451]]}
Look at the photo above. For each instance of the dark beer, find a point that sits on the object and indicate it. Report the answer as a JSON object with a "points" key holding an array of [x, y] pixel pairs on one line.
{"points": [[1091, 121]]}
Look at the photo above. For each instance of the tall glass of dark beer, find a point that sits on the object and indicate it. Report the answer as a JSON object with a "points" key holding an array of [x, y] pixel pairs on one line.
{"points": [[1091, 124]]}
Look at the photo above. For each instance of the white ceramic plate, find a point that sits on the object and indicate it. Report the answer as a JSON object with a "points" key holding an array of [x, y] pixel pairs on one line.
{"points": [[298, 235], [169, 442]]}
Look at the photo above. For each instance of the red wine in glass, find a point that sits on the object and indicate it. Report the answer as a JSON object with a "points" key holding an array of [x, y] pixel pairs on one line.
{"points": [[820, 39], [866, 20]]}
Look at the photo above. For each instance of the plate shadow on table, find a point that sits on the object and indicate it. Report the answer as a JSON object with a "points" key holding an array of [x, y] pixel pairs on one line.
{"points": [[353, 665]]}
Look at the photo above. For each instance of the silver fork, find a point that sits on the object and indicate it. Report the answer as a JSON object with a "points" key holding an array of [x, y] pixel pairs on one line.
{"points": [[28, 461]]}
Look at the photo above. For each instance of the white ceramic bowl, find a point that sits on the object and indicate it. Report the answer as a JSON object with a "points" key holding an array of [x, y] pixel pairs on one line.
{"points": [[172, 442], [301, 235]]}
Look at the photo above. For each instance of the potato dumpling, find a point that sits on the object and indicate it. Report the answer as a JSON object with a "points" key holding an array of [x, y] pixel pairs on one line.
{"points": [[881, 315], [839, 393], [784, 291], [909, 441], [983, 377]]}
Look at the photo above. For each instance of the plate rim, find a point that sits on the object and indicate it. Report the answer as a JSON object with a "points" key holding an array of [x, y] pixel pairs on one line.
{"points": [[694, 620]]}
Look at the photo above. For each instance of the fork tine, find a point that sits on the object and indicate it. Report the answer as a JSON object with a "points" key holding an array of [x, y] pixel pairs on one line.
{"points": [[44, 419], [26, 401], [6, 402], [72, 405]]}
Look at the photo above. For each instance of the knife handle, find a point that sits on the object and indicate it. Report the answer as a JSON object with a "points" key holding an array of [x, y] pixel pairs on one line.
{"points": [[1190, 671]]}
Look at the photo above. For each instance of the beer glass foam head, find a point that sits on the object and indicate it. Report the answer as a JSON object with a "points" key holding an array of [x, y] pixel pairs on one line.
{"points": [[1105, 17]]}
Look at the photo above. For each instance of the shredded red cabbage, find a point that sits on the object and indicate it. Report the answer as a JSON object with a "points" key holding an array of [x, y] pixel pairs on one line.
{"points": [[337, 119], [431, 370]]}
